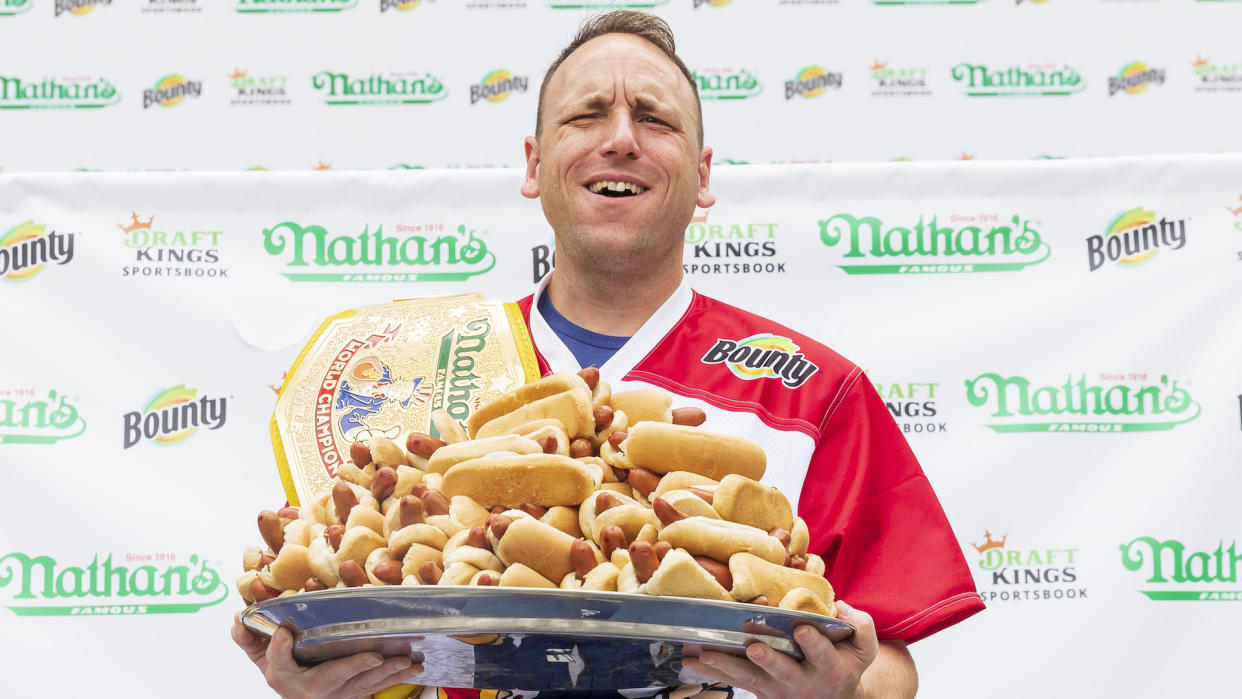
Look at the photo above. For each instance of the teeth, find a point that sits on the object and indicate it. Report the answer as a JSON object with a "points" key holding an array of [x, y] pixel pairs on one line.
{"points": [[617, 187]]}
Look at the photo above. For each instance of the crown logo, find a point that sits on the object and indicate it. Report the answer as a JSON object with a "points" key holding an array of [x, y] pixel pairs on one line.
{"points": [[1199, 61], [877, 64], [237, 73], [990, 543], [966, 156], [276, 386], [1237, 211], [321, 165], [135, 223]]}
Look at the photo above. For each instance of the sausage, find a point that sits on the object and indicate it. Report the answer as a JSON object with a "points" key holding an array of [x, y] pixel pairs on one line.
{"points": [[260, 591], [333, 535], [410, 511], [583, 557], [692, 417], [644, 560], [612, 538], [782, 535], [706, 495], [384, 482], [388, 571], [352, 574], [536, 511], [549, 444], [434, 503], [591, 376], [344, 498], [430, 572], [616, 438], [272, 529], [314, 584], [666, 512], [603, 416], [424, 445], [717, 569], [661, 549], [477, 538], [605, 501], [498, 525], [360, 454], [580, 447], [644, 480]]}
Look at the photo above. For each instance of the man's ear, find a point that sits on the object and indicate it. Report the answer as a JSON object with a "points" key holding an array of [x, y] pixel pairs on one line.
{"points": [[530, 186], [706, 198]]}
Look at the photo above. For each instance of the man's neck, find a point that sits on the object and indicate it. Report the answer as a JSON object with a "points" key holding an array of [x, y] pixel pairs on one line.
{"points": [[610, 304]]}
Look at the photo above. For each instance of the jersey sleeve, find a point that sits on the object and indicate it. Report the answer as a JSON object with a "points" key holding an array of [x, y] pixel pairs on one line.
{"points": [[873, 517]]}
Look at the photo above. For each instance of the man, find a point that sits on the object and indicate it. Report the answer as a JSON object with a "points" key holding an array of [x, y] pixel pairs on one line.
{"points": [[618, 163]]}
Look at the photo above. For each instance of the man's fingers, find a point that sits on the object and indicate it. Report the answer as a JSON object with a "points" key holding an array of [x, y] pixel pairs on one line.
{"points": [[736, 672], [336, 676], [864, 638], [391, 672], [249, 641], [780, 667]]}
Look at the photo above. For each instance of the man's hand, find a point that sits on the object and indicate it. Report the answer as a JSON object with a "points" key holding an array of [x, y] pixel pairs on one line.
{"points": [[345, 678], [845, 670]]}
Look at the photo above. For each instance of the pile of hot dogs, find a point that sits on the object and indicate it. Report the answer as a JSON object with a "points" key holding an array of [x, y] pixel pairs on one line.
{"points": [[558, 484]]}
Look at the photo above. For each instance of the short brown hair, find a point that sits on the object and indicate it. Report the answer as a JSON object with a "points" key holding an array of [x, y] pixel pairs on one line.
{"points": [[640, 24]]}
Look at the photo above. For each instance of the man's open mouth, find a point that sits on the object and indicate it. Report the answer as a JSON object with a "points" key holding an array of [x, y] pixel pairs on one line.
{"points": [[609, 188]]}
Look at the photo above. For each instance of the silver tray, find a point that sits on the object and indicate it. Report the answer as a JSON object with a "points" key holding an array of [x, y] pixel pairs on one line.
{"points": [[506, 638]]}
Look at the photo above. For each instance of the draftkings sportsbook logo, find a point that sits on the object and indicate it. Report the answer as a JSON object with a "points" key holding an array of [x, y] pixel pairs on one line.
{"points": [[258, 90], [182, 254], [1119, 403], [764, 356], [1026, 575], [811, 82], [28, 247], [726, 84], [897, 82], [170, 91], [730, 248], [423, 252], [1176, 572], [1018, 81], [413, 87], [913, 406], [57, 93], [24, 419], [172, 415], [159, 583], [498, 86], [1135, 78], [936, 245], [256, 6], [1217, 77], [1135, 237]]}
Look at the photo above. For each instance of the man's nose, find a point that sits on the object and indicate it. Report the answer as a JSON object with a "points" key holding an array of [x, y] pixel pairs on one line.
{"points": [[620, 136]]}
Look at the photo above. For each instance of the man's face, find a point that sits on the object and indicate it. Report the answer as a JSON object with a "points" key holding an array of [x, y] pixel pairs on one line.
{"points": [[617, 165]]}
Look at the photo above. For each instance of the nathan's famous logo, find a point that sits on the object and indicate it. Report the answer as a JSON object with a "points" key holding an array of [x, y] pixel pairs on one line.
{"points": [[78, 7], [447, 256], [456, 380], [14, 7], [155, 583], [170, 91], [255, 6], [1134, 78], [603, 4], [1018, 81], [913, 405], [1030, 574], [764, 356], [726, 84], [172, 415], [258, 89], [497, 86], [1217, 77], [1122, 403], [811, 82], [25, 419], [57, 93], [732, 248], [960, 246], [28, 247], [1135, 237], [173, 253], [1184, 574], [340, 89], [897, 82]]}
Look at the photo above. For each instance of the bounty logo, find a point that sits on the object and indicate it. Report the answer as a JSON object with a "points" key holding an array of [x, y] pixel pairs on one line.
{"points": [[1135, 78], [340, 89], [263, 6], [1135, 237], [173, 415], [498, 86], [24, 420], [51, 93], [811, 82], [1026, 575], [735, 248], [1126, 403], [399, 5], [446, 257], [9, 8], [1018, 81], [604, 4], [763, 357], [1217, 77], [258, 89], [25, 249], [961, 246], [897, 82], [711, 3], [170, 91], [41, 586], [726, 84], [911, 404], [78, 7], [1176, 573], [175, 254]]}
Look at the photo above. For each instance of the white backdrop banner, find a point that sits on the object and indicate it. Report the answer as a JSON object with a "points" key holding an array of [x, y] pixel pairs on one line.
{"points": [[1058, 340]]}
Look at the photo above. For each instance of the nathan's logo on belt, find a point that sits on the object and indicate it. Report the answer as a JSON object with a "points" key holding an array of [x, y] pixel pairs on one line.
{"points": [[140, 583], [1135, 237], [419, 252], [28, 247], [77, 7], [173, 415], [1183, 574], [1124, 403], [763, 357], [24, 420], [940, 245]]}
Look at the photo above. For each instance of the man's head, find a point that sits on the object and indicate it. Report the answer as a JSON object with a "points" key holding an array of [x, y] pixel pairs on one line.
{"points": [[616, 160]]}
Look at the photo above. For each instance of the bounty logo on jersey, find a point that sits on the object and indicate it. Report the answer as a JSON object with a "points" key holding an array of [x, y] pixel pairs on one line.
{"points": [[763, 356]]}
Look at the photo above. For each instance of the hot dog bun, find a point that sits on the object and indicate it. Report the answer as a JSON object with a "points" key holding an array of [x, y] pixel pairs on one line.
{"points": [[450, 455], [680, 576], [540, 546], [662, 447], [644, 405], [741, 499], [513, 480], [565, 397], [753, 576], [720, 539]]}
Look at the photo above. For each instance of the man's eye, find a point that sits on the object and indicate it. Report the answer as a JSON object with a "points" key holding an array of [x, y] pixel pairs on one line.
{"points": [[651, 120]]}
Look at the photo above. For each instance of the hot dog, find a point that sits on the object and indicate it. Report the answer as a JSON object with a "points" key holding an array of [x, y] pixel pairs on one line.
{"points": [[720, 539], [661, 448], [564, 397], [511, 480], [741, 499], [753, 576]]}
